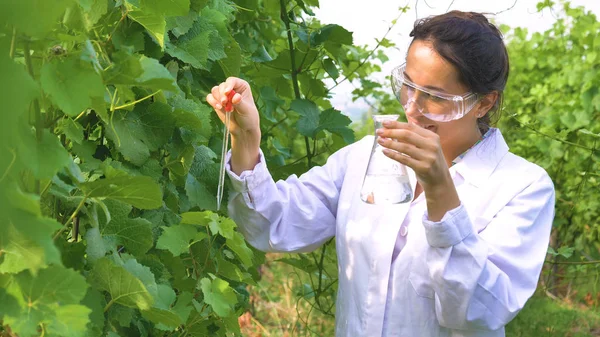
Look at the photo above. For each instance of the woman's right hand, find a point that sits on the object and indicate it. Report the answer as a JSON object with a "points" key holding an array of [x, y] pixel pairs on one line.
{"points": [[244, 123], [244, 118]]}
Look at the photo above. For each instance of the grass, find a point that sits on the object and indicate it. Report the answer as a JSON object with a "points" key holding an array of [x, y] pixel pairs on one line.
{"points": [[546, 317], [277, 311]]}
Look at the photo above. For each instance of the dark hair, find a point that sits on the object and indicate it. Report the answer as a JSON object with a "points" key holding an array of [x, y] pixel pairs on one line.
{"points": [[475, 47]]}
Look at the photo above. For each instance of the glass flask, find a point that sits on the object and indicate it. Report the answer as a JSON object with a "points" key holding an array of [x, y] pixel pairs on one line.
{"points": [[386, 180]]}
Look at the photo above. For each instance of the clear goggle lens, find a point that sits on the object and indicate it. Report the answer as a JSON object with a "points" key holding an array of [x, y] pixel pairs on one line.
{"points": [[437, 106]]}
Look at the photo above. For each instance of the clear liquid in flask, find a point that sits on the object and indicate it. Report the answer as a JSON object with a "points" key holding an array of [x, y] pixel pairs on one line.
{"points": [[386, 180]]}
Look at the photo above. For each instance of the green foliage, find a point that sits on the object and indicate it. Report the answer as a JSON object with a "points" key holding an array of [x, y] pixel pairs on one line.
{"points": [[551, 115], [108, 156]]}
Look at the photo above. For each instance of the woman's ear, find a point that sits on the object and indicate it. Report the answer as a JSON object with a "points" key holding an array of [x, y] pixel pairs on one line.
{"points": [[486, 103]]}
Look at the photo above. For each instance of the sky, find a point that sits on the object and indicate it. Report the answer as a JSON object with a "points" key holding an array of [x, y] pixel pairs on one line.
{"points": [[370, 19]]}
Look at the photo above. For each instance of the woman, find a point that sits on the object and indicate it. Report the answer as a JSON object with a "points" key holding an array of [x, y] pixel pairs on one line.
{"points": [[464, 256]]}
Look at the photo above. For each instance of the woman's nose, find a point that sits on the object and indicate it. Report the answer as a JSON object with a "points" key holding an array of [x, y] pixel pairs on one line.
{"points": [[412, 107]]}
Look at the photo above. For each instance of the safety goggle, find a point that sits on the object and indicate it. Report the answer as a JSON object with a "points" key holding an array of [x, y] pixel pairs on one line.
{"points": [[435, 105]]}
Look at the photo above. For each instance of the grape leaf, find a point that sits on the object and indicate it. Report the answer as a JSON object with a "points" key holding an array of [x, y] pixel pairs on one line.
{"points": [[179, 25], [154, 23], [141, 131], [269, 97], [123, 287], [261, 55], [71, 129], [238, 245], [232, 63], [138, 70], [221, 225], [126, 69], [50, 294], [18, 88], [26, 243], [182, 307], [162, 314], [144, 274], [155, 75], [335, 34], [230, 270], [219, 295], [333, 121], [135, 234], [309, 121], [95, 248], [200, 194], [201, 43], [95, 301], [192, 116], [70, 321], [330, 68], [10, 306], [176, 239], [167, 7], [33, 17], [71, 84], [93, 11], [45, 157], [196, 218], [200, 184], [139, 191], [165, 319]]}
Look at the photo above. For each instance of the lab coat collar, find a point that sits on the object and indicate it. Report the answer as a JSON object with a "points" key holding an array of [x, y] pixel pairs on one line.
{"points": [[479, 163]]}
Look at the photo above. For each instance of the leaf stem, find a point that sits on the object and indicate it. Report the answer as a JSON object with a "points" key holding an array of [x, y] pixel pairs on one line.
{"points": [[368, 56], [73, 215], [12, 162], [320, 265], [125, 11], [551, 137], [286, 21], [80, 115], [573, 263], [134, 102], [12, 43], [109, 304], [276, 124], [36, 106]]}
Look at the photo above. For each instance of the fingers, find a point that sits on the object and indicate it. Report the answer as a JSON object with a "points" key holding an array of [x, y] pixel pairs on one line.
{"points": [[214, 98], [413, 163], [402, 135], [221, 93], [404, 148], [407, 126], [237, 84], [237, 98], [223, 98]]}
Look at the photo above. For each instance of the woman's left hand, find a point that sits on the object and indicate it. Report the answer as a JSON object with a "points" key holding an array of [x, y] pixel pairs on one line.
{"points": [[417, 148]]}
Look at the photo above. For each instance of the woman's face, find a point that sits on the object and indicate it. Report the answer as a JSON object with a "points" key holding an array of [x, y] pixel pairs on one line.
{"points": [[425, 67]]}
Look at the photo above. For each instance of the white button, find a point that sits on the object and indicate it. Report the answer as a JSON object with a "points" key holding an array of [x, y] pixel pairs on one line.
{"points": [[403, 230]]}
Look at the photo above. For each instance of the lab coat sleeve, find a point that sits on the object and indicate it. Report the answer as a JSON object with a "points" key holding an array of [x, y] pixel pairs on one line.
{"points": [[482, 280], [293, 215]]}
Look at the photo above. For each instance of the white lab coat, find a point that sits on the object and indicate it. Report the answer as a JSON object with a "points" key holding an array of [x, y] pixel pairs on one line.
{"points": [[467, 275]]}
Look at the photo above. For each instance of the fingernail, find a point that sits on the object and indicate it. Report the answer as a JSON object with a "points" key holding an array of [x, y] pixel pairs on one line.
{"points": [[379, 131], [387, 123], [219, 106]]}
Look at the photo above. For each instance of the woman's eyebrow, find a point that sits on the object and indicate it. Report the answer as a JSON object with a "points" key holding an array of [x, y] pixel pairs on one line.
{"points": [[431, 87]]}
